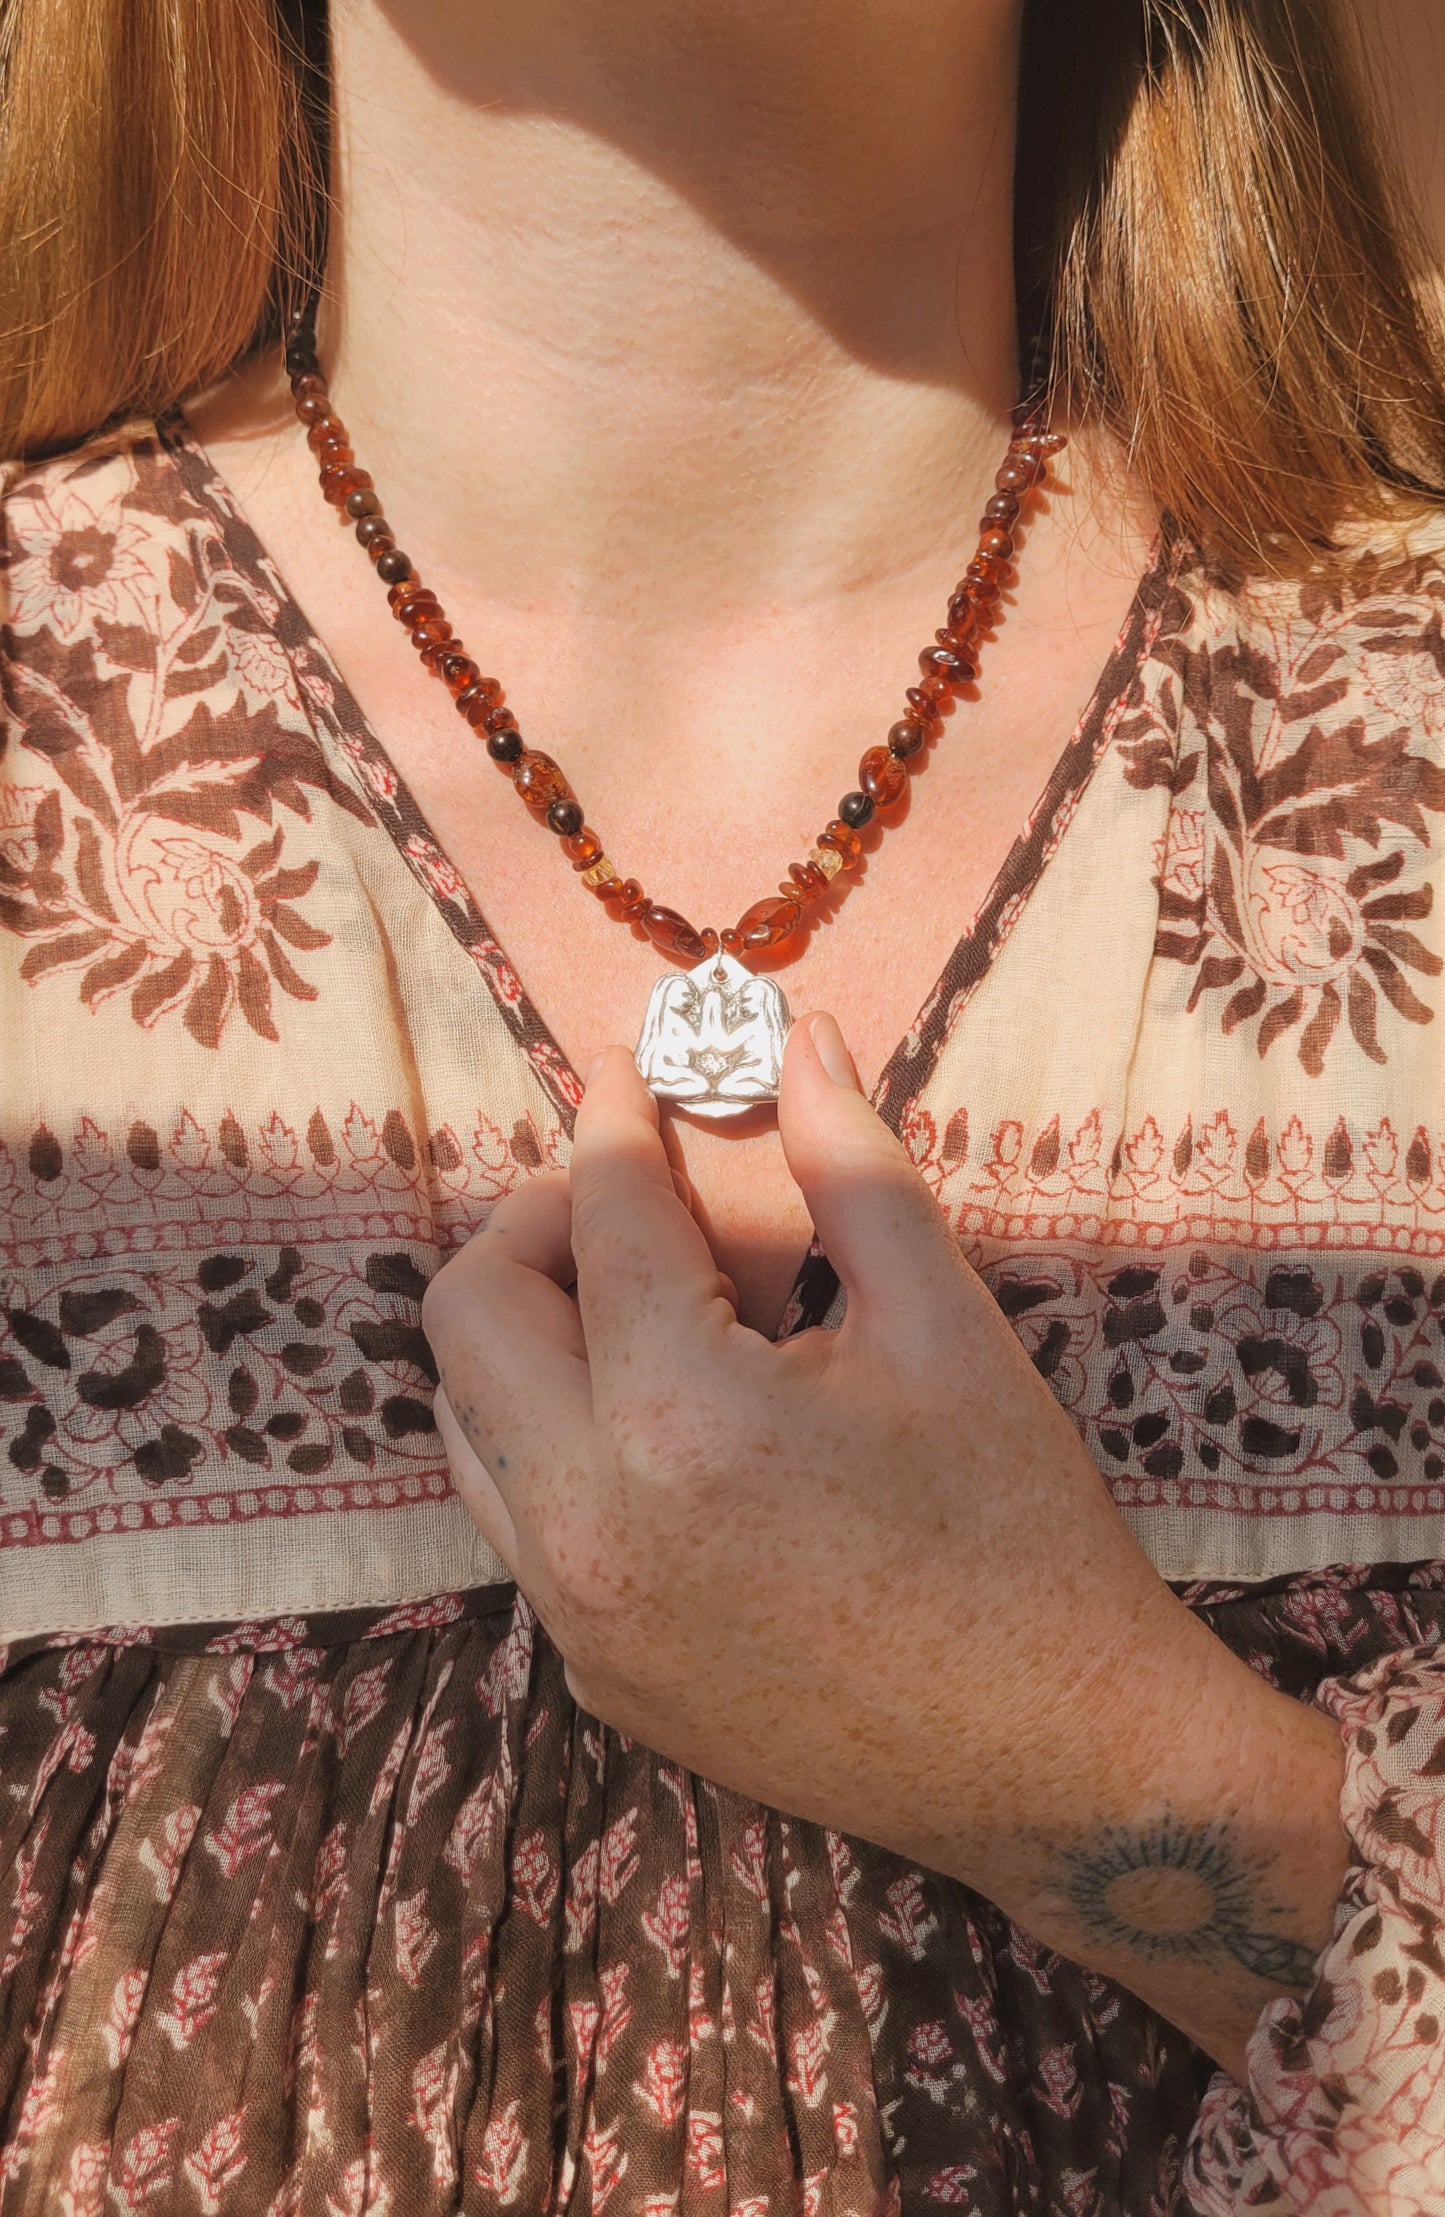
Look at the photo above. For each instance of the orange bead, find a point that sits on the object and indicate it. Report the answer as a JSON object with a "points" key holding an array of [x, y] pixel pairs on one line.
{"points": [[807, 883], [539, 781], [582, 848], [767, 922], [995, 545], [883, 777], [665, 928], [322, 428]]}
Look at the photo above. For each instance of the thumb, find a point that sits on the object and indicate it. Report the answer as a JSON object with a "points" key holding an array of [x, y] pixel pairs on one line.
{"points": [[879, 1224]]}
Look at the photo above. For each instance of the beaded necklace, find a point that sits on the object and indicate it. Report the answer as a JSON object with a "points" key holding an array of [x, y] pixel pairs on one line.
{"points": [[712, 1039]]}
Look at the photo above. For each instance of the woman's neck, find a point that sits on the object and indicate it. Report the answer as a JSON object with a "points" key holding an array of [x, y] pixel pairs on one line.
{"points": [[698, 297]]}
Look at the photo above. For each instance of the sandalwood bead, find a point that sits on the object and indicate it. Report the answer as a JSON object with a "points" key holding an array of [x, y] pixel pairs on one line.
{"points": [[539, 781], [583, 848], [843, 840], [883, 777], [907, 738], [665, 928], [766, 923]]}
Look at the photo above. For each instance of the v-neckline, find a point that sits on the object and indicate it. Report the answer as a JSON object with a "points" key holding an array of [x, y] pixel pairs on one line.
{"points": [[342, 721]]}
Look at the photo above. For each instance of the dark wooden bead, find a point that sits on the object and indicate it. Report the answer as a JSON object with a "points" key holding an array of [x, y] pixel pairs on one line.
{"points": [[907, 738], [394, 566], [856, 809], [505, 744], [372, 528], [565, 818], [665, 928], [301, 356], [1002, 509], [364, 502], [582, 848], [539, 781], [768, 922], [457, 669]]}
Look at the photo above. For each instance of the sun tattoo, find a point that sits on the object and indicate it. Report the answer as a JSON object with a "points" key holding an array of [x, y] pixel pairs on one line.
{"points": [[1171, 1893]]}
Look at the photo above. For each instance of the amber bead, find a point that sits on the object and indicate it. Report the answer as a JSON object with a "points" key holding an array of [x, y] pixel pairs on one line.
{"points": [[476, 699], [336, 448], [372, 528], [767, 922], [432, 631], [996, 546], [984, 574], [943, 662], [632, 901], [808, 880], [1020, 473], [582, 848], [665, 928], [539, 781], [882, 776], [338, 484], [433, 657], [505, 744], [499, 718], [305, 385], [565, 818], [314, 408], [415, 592], [324, 427], [457, 670], [364, 502], [929, 698], [843, 840], [1002, 509]]}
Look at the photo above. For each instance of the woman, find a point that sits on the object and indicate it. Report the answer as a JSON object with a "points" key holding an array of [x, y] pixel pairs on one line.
{"points": [[684, 342]]}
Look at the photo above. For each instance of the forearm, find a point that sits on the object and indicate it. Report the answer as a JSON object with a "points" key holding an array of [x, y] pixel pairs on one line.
{"points": [[1186, 1842]]}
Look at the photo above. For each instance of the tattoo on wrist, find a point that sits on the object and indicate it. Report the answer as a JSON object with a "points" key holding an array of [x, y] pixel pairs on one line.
{"points": [[1171, 1892]]}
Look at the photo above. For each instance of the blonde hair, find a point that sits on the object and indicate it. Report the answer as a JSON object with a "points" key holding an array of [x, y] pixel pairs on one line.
{"points": [[1213, 258]]}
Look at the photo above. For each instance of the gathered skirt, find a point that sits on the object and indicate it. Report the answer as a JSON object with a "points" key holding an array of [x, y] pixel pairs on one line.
{"points": [[361, 1915]]}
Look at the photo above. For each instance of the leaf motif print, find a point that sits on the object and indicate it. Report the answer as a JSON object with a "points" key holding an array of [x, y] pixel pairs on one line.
{"points": [[1296, 891], [193, 2000], [217, 2161], [171, 733]]}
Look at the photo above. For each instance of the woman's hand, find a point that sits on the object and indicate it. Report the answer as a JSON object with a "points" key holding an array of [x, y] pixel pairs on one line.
{"points": [[870, 1575]]}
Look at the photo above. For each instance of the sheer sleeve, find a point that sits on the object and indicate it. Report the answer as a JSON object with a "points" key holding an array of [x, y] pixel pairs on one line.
{"points": [[1344, 2109]]}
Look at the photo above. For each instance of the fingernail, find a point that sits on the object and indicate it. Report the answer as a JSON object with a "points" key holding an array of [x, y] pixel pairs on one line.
{"points": [[832, 1052], [595, 1065]]}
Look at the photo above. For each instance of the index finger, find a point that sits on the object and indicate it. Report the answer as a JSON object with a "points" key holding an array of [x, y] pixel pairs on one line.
{"points": [[643, 1265]]}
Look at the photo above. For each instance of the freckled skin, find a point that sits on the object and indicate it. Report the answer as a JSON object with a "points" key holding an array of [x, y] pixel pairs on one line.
{"points": [[871, 1576]]}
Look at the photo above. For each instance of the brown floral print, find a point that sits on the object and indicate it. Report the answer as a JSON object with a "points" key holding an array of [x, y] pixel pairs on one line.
{"points": [[1293, 882], [152, 861]]}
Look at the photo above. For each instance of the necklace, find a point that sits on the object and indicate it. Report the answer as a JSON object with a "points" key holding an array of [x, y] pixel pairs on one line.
{"points": [[712, 1039]]}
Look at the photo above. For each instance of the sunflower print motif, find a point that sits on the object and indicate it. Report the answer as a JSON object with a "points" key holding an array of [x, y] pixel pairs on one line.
{"points": [[1295, 879]]}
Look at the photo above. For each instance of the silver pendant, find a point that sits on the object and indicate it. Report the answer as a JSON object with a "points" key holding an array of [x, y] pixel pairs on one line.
{"points": [[712, 1039]]}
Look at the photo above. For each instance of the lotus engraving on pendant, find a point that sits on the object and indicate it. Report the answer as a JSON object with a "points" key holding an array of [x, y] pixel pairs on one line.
{"points": [[712, 1040]]}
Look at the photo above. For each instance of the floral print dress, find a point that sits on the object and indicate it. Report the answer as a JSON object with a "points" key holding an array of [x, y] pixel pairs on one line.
{"points": [[318, 1897]]}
